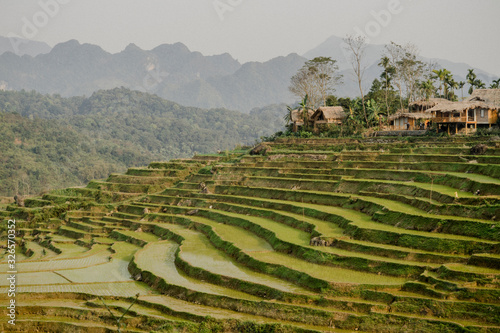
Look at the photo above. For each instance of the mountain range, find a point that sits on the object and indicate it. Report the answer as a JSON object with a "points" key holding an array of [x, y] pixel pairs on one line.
{"points": [[175, 73], [21, 46]]}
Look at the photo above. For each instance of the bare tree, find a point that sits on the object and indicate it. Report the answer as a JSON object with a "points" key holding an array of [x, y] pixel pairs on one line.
{"points": [[302, 84], [316, 79], [395, 55], [413, 70], [356, 46], [409, 69]]}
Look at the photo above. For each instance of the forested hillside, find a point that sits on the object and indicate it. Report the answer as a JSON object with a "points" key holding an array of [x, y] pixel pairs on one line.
{"points": [[48, 141]]}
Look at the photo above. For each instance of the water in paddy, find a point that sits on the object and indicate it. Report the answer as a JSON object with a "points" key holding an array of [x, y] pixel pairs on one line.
{"points": [[143, 310], [32, 278], [114, 271], [243, 239], [39, 252], [219, 313], [124, 289], [302, 238], [281, 230], [473, 269], [472, 176], [364, 220], [199, 252], [145, 236], [325, 228], [443, 189], [55, 264], [70, 250], [259, 249], [158, 258], [327, 273]]}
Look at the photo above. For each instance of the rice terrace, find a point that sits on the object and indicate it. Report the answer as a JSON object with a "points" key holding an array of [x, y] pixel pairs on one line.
{"points": [[307, 235]]}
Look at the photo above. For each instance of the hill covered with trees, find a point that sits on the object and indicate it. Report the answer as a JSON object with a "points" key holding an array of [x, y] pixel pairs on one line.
{"points": [[48, 141]]}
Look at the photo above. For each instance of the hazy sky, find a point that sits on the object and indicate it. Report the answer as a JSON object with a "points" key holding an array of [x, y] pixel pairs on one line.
{"points": [[458, 30]]}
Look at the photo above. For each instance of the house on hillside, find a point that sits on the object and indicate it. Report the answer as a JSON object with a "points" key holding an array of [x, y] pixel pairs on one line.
{"points": [[326, 115], [296, 118], [479, 110], [408, 121], [415, 117], [425, 104]]}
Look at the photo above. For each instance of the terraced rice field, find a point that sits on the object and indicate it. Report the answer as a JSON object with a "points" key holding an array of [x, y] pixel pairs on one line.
{"points": [[317, 235]]}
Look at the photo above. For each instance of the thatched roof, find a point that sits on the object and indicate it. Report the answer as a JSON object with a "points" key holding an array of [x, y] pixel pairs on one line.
{"points": [[491, 97], [457, 106], [330, 112], [296, 115], [414, 115], [426, 104], [480, 98]]}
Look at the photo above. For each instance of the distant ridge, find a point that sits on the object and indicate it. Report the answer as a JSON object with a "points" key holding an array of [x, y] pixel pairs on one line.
{"points": [[173, 72], [21, 46]]}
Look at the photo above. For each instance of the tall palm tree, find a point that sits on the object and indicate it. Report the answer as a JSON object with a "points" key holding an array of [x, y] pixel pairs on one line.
{"points": [[387, 76], [442, 74], [428, 88], [452, 84], [461, 85], [495, 84], [480, 84], [471, 79]]}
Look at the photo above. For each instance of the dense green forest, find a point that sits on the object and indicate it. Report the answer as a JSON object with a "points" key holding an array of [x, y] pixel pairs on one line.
{"points": [[47, 141]]}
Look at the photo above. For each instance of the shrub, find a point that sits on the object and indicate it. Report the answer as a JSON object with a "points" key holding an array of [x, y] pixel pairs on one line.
{"points": [[479, 149]]}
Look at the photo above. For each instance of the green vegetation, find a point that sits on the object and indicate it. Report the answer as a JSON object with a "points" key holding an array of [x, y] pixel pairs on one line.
{"points": [[315, 235], [50, 142], [405, 79]]}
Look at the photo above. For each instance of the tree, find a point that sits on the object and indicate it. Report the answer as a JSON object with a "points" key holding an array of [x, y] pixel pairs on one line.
{"points": [[471, 80], [357, 46], [480, 84], [386, 77], [376, 92], [305, 112], [452, 85], [461, 85], [413, 71], [409, 70], [374, 112], [316, 79], [441, 75], [495, 84], [332, 100], [428, 88]]}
